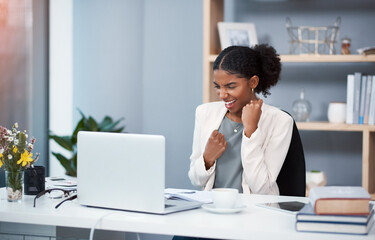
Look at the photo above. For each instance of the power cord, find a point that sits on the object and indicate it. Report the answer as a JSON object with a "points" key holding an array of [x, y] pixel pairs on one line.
{"points": [[96, 223], [100, 219]]}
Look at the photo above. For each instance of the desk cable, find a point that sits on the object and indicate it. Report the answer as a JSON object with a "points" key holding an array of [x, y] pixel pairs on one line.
{"points": [[100, 219]]}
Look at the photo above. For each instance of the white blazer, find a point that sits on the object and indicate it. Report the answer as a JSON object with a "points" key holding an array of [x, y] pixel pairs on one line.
{"points": [[262, 154]]}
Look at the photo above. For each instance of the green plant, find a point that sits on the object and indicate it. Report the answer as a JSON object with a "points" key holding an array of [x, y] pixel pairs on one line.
{"points": [[70, 142]]}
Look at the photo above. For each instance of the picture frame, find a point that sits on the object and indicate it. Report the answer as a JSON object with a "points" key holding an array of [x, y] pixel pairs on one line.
{"points": [[239, 34]]}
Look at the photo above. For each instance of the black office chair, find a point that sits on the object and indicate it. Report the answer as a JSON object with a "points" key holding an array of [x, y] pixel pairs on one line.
{"points": [[292, 177]]}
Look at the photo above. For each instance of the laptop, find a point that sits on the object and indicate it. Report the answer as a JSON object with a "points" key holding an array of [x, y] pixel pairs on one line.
{"points": [[125, 172]]}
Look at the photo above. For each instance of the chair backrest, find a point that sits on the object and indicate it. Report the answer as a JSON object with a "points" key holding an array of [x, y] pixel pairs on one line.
{"points": [[292, 177]]}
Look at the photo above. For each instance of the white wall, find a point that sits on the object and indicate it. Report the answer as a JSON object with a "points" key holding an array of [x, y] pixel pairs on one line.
{"points": [[142, 60], [172, 80], [60, 76], [108, 68]]}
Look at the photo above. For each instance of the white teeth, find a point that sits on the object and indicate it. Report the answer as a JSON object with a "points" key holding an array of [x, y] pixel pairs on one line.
{"points": [[230, 102]]}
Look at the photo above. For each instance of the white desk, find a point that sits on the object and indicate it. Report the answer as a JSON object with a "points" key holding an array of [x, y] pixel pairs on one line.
{"points": [[252, 223]]}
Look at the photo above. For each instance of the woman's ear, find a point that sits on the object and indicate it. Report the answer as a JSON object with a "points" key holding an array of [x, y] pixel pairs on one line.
{"points": [[253, 81]]}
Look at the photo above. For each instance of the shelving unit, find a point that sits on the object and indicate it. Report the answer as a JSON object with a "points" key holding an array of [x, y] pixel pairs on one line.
{"points": [[328, 58], [318, 58], [368, 147], [213, 12]]}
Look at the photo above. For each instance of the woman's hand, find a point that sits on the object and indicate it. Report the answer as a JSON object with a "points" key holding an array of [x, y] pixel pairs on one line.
{"points": [[215, 147], [250, 116]]}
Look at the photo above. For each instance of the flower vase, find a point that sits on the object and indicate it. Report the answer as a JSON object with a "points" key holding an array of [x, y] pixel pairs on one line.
{"points": [[14, 185]]}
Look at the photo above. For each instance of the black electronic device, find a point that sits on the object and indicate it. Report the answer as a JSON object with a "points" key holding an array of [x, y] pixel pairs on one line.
{"points": [[34, 180], [285, 206]]}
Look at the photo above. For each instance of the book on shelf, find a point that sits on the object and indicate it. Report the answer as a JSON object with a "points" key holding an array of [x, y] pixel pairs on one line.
{"points": [[357, 96], [360, 99], [371, 117], [350, 99], [367, 99], [308, 220], [340, 200], [363, 98]]}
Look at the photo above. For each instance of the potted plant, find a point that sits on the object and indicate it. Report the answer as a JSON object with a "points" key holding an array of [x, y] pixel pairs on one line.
{"points": [[70, 142], [15, 155], [315, 178]]}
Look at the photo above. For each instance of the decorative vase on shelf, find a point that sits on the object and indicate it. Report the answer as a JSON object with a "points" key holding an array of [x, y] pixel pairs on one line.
{"points": [[301, 108], [14, 185], [336, 112]]}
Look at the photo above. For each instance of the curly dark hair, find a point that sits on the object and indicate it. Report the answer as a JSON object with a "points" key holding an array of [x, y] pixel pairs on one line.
{"points": [[245, 62]]}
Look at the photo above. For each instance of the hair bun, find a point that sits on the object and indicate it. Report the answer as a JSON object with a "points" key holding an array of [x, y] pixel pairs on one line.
{"points": [[261, 60]]}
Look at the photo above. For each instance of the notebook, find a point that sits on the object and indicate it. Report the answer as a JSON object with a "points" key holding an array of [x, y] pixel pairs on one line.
{"points": [[124, 171]]}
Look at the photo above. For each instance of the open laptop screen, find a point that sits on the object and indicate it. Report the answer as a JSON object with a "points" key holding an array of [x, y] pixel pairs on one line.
{"points": [[121, 171]]}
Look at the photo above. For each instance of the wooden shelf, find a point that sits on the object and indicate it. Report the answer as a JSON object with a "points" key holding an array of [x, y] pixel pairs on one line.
{"points": [[327, 58], [319, 58], [326, 126], [368, 143], [213, 12]]}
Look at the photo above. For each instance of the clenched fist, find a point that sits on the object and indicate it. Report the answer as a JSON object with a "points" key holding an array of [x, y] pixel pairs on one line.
{"points": [[250, 116], [215, 147]]}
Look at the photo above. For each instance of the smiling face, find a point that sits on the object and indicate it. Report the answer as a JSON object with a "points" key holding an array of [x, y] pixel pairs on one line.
{"points": [[234, 91]]}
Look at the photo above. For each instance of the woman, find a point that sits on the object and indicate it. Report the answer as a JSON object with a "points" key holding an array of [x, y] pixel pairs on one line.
{"points": [[240, 142]]}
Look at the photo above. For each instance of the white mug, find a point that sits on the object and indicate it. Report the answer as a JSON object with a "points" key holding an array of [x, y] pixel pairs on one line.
{"points": [[224, 197], [337, 112]]}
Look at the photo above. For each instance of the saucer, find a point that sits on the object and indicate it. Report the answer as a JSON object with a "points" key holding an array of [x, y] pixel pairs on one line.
{"points": [[212, 208]]}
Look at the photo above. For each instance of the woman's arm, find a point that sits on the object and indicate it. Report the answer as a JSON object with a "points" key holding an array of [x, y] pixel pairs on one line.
{"points": [[197, 173], [263, 154]]}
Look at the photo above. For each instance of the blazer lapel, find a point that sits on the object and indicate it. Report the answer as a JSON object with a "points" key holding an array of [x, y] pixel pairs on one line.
{"points": [[213, 122]]}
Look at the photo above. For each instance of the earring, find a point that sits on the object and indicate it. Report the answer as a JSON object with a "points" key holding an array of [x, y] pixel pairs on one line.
{"points": [[252, 90]]}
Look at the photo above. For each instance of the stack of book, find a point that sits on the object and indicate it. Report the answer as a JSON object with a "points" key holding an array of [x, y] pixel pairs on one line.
{"points": [[337, 210], [360, 99]]}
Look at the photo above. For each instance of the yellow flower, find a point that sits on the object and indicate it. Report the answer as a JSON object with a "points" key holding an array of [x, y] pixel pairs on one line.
{"points": [[1, 162], [15, 149], [26, 158]]}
